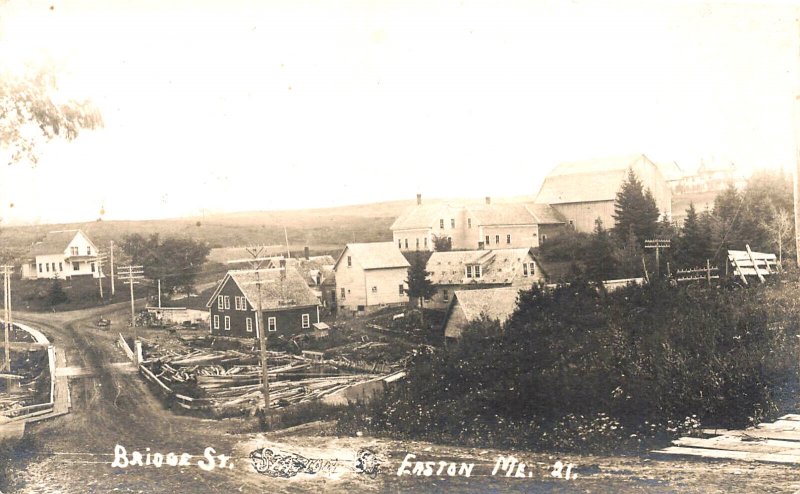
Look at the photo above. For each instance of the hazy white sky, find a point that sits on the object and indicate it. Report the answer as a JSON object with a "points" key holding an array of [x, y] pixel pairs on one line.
{"points": [[235, 105]]}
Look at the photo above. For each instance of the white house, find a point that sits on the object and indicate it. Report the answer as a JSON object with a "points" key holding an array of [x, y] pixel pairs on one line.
{"points": [[477, 269], [62, 254], [370, 275], [475, 226]]}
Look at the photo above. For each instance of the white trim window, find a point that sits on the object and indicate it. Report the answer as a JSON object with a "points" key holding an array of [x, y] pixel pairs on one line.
{"points": [[272, 324], [533, 268], [227, 323], [236, 302], [248, 324], [227, 302], [306, 321], [524, 269], [216, 322], [478, 271], [221, 302]]}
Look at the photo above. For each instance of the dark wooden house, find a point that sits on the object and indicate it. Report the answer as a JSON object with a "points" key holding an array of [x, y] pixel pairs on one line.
{"points": [[288, 304]]}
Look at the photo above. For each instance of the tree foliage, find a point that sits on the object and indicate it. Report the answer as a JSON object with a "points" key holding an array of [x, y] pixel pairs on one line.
{"points": [[32, 113], [442, 244], [601, 259], [418, 281], [175, 261], [635, 211], [694, 243], [56, 294]]}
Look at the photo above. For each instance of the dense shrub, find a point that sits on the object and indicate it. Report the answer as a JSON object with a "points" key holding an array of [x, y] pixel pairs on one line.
{"points": [[577, 368]]}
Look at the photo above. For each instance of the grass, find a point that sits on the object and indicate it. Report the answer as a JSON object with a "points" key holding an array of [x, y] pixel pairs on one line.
{"points": [[82, 293]]}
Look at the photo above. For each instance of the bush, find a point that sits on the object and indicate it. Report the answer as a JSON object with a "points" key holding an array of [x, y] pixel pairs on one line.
{"points": [[645, 361]]}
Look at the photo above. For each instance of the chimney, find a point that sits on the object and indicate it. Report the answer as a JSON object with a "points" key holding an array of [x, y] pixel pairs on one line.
{"points": [[488, 200], [419, 199], [305, 252]]}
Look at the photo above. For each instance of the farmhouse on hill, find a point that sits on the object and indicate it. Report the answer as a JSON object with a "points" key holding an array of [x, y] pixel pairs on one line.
{"points": [[370, 275], [288, 304], [62, 254], [469, 305], [499, 226], [475, 269], [584, 191]]}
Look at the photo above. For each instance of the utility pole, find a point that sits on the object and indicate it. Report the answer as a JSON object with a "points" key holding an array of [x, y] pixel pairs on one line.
{"points": [[657, 244], [112, 269], [255, 262], [101, 257], [159, 293], [131, 275], [7, 315]]}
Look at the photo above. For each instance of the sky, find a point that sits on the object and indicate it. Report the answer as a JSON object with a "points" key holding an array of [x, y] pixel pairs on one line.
{"points": [[251, 105]]}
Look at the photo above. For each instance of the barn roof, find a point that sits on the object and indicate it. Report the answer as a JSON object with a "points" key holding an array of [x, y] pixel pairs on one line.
{"points": [[54, 243], [281, 288], [499, 266], [375, 255], [588, 181], [419, 216], [546, 215]]}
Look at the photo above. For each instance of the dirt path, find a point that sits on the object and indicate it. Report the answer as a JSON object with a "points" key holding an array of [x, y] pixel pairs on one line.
{"points": [[112, 406]]}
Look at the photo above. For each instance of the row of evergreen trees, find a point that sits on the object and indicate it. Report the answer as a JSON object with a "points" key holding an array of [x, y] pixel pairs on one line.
{"points": [[760, 215]]}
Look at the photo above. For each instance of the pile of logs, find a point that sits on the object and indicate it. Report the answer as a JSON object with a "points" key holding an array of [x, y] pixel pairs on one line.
{"points": [[231, 379]]}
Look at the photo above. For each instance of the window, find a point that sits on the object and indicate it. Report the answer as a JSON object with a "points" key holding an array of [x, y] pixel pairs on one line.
{"points": [[544, 237], [88, 251], [572, 223], [425, 242], [525, 269], [272, 324], [533, 268], [441, 223], [342, 294], [47, 267], [374, 289], [469, 222], [350, 259], [417, 244], [508, 238], [54, 267], [497, 239], [61, 266], [469, 271], [487, 240], [248, 325], [73, 251], [216, 322], [236, 302], [227, 323], [306, 321], [452, 223], [220, 302], [76, 266], [477, 271], [399, 243], [40, 267], [227, 302], [406, 242], [401, 289], [445, 296]]}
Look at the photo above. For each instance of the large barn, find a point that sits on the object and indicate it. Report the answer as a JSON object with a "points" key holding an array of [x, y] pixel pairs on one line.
{"points": [[586, 190]]}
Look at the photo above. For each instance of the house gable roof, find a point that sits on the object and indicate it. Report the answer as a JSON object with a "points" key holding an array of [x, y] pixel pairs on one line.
{"points": [[499, 267], [419, 216], [589, 181], [375, 255], [57, 242], [502, 214], [281, 288], [494, 303]]}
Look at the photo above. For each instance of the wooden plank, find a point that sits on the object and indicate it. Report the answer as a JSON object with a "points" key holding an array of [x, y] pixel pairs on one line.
{"points": [[766, 434], [784, 425], [739, 271], [730, 455], [738, 444]]}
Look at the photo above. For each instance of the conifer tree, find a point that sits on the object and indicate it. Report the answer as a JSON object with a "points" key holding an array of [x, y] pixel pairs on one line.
{"points": [[635, 211]]}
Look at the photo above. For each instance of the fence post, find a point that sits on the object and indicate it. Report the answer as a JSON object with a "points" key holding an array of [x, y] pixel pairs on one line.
{"points": [[138, 355], [708, 272]]}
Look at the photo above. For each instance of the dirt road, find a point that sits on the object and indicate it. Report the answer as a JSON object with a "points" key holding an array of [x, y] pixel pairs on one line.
{"points": [[112, 406]]}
